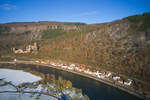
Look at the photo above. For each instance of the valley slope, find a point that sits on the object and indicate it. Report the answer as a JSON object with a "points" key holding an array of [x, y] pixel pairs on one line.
{"points": [[121, 46]]}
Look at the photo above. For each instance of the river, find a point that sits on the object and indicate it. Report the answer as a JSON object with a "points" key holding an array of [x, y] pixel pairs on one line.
{"points": [[94, 89]]}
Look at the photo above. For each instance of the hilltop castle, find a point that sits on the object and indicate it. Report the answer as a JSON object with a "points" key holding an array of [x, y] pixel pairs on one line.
{"points": [[27, 49]]}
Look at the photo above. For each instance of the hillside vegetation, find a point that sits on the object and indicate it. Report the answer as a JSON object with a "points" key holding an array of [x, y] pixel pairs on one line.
{"points": [[121, 46]]}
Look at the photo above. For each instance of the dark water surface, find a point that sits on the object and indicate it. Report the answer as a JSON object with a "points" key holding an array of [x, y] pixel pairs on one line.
{"points": [[94, 89]]}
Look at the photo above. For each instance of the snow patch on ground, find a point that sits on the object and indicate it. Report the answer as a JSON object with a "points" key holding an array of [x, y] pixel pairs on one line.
{"points": [[18, 76], [7, 88]]}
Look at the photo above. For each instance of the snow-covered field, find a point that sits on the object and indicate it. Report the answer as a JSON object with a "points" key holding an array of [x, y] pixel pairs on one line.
{"points": [[18, 76], [7, 88]]}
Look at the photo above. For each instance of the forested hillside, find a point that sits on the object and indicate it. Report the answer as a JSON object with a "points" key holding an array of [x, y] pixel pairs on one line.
{"points": [[121, 46]]}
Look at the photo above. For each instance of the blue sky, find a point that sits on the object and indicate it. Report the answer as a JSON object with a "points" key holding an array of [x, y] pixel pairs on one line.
{"points": [[88, 11]]}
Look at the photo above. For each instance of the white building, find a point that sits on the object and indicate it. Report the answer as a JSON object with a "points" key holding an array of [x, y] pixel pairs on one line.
{"points": [[90, 72], [37, 61], [80, 70], [70, 68], [128, 82], [76, 68], [101, 76], [64, 66], [97, 73], [116, 77], [73, 65], [108, 74]]}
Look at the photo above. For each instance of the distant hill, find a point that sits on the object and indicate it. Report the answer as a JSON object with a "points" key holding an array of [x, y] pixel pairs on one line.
{"points": [[121, 46], [23, 33]]}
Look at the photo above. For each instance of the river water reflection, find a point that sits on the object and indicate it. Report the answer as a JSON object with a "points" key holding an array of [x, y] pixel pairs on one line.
{"points": [[95, 90]]}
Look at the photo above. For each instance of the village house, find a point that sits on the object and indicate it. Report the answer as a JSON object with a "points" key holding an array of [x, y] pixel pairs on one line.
{"points": [[128, 82], [53, 63], [59, 64], [80, 69], [72, 67], [94, 72], [89, 72], [64, 66], [77, 68], [56, 64], [97, 73], [120, 81], [108, 74], [86, 70], [37, 61], [101, 76], [43, 62], [115, 77]]}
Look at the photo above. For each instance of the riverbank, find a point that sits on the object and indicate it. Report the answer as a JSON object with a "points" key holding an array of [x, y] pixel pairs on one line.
{"points": [[108, 82]]}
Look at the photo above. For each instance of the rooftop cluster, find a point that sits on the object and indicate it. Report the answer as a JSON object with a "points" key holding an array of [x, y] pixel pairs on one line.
{"points": [[81, 68]]}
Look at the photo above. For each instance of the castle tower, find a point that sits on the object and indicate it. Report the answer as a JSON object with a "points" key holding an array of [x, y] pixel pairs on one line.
{"points": [[28, 48], [34, 46]]}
